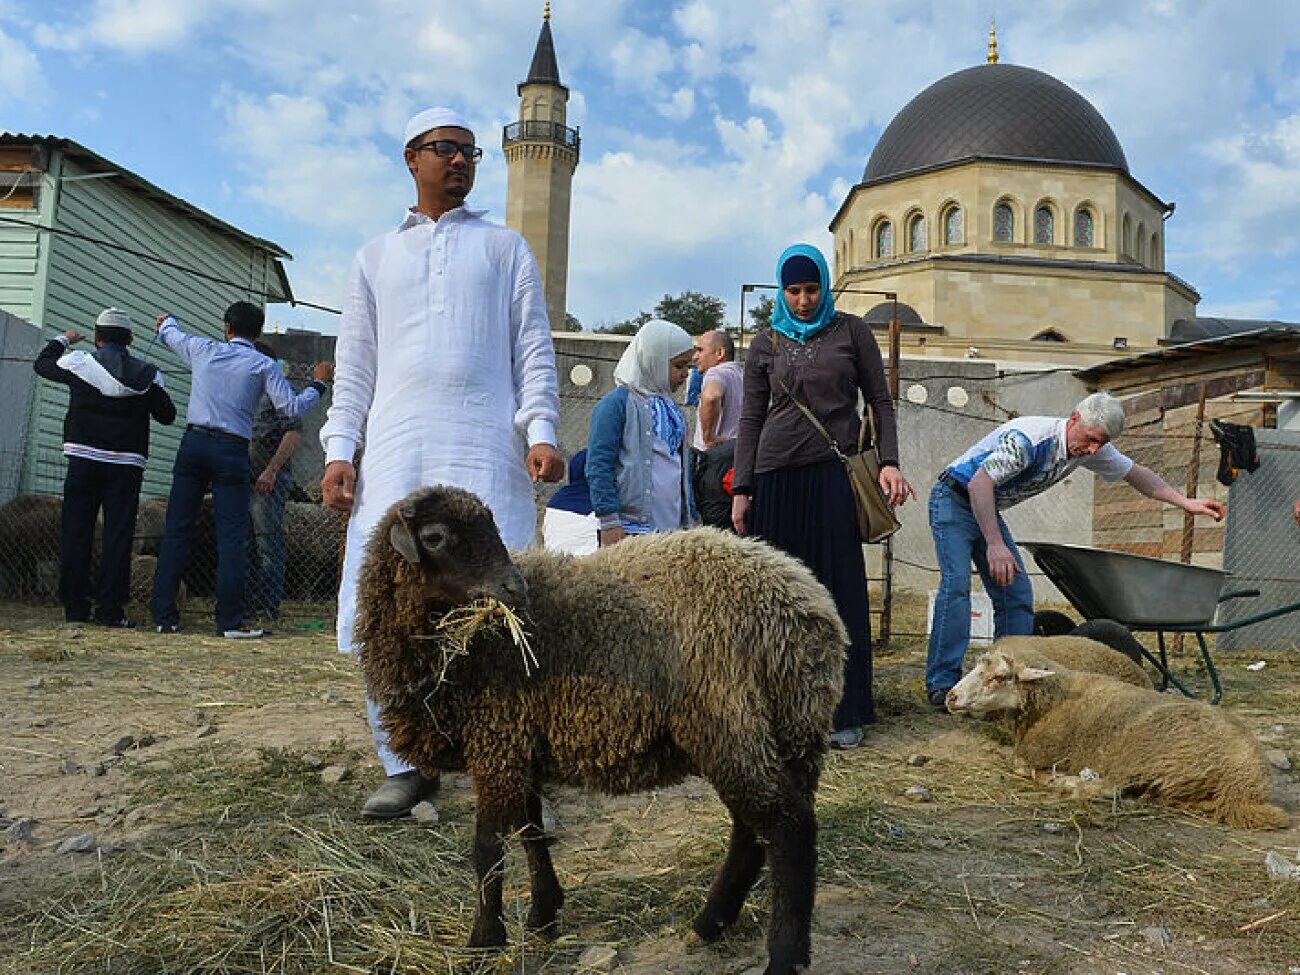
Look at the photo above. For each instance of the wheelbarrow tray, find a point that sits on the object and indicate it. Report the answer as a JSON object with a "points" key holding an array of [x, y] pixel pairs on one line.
{"points": [[1135, 590]]}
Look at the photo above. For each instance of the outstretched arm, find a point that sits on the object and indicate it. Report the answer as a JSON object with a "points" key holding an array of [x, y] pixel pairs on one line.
{"points": [[1148, 482]]}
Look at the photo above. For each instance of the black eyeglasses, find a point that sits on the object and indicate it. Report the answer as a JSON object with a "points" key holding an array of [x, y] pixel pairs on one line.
{"points": [[447, 148]]}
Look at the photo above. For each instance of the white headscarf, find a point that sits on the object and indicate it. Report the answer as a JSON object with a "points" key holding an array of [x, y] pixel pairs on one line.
{"points": [[644, 363], [433, 118]]}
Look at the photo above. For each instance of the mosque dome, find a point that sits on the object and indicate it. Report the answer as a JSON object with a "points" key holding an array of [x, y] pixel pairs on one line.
{"points": [[882, 313], [995, 111]]}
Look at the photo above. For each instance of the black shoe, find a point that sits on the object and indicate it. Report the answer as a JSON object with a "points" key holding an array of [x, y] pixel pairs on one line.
{"points": [[399, 795], [939, 697]]}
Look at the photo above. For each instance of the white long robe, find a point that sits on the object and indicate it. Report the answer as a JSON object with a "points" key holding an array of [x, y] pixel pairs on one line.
{"points": [[444, 371]]}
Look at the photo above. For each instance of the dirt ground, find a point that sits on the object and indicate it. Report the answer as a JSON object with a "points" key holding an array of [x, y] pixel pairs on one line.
{"points": [[221, 779]]}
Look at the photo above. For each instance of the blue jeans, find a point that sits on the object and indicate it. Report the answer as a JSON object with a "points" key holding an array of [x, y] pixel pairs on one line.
{"points": [[205, 460], [958, 541], [267, 565]]}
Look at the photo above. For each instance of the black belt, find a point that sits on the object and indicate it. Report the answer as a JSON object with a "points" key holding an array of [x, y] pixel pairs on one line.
{"points": [[217, 432], [954, 485]]}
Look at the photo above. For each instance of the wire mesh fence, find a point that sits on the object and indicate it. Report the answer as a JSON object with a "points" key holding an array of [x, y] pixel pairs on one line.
{"points": [[943, 408]]}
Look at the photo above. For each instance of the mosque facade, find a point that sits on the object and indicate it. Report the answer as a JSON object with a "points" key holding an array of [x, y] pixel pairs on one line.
{"points": [[999, 206]]}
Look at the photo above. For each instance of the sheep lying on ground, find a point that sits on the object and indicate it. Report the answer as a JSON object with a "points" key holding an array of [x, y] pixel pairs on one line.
{"points": [[640, 680], [1170, 749], [1074, 653]]}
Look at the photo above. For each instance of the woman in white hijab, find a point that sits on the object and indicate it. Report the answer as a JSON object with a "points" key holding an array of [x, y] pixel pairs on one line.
{"points": [[636, 450]]}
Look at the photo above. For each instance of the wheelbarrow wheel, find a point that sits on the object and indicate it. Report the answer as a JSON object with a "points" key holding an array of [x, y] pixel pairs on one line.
{"points": [[1115, 635], [1052, 622]]}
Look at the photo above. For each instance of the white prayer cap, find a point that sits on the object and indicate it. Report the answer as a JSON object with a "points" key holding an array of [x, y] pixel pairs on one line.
{"points": [[113, 318], [434, 118]]}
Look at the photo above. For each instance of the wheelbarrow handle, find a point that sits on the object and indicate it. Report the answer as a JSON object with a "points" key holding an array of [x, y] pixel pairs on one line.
{"points": [[1224, 597]]}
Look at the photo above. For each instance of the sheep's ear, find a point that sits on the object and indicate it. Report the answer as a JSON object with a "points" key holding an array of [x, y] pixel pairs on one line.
{"points": [[1032, 673], [401, 540]]}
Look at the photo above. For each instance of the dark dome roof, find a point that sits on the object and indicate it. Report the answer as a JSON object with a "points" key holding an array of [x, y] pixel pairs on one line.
{"points": [[1000, 111], [880, 314]]}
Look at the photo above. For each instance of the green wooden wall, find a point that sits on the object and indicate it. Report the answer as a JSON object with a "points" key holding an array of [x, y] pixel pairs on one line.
{"points": [[83, 277]]}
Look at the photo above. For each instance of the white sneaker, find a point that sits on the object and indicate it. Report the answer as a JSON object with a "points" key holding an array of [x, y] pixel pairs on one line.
{"points": [[242, 633]]}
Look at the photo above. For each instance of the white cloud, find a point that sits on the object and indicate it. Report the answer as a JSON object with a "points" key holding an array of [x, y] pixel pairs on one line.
{"points": [[681, 106], [21, 76], [1255, 198]]}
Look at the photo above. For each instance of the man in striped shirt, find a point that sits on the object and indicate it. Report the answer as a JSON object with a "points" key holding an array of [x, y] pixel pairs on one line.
{"points": [[112, 395], [1020, 459]]}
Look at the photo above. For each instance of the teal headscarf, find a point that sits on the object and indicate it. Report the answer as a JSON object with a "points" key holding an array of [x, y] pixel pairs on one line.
{"points": [[784, 320]]}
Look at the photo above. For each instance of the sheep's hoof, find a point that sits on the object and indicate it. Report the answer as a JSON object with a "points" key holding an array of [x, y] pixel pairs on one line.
{"points": [[708, 927], [543, 926], [488, 934]]}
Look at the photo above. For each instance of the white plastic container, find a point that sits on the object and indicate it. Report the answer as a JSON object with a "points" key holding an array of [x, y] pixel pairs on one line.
{"points": [[981, 618]]}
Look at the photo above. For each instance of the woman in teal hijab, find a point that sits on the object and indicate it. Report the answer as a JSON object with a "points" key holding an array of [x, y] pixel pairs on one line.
{"points": [[789, 487]]}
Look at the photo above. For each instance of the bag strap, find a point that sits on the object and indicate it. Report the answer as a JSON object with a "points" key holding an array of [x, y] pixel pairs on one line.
{"points": [[866, 424]]}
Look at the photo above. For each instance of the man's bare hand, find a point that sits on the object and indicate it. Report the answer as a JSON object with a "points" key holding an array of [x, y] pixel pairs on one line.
{"points": [[611, 536], [265, 483], [338, 485], [1002, 564], [73, 336], [324, 372], [162, 317], [895, 486], [1210, 508], [544, 463], [1296, 512]]}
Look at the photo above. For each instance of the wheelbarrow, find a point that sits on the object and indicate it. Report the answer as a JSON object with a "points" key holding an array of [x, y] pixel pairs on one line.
{"points": [[1147, 595]]}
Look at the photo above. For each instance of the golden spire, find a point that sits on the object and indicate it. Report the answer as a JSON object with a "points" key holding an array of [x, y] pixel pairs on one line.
{"points": [[546, 15], [993, 40]]}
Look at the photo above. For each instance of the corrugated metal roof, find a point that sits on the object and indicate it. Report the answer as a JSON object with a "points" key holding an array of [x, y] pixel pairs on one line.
{"points": [[1192, 350], [97, 162]]}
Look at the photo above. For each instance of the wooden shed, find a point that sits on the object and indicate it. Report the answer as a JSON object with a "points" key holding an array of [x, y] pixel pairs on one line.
{"points": [[78, 234]]}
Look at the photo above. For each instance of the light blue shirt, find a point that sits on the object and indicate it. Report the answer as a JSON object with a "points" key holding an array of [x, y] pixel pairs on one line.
{"points": [[1025, 456], [229, 380]]}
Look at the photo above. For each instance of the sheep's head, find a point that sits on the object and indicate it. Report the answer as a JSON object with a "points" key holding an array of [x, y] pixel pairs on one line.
{"points": [[995, 685], [448, 534]]}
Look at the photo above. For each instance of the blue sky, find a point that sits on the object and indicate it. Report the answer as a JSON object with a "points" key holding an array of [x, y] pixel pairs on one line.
{"points": [[714, 131]]}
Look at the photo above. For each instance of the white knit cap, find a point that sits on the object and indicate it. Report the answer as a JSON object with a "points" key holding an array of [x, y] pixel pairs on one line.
{"points": [[433, 118], [113, 318]]}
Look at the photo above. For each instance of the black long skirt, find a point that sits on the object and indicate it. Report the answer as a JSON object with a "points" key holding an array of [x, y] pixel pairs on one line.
{"points": [[809, 512]]}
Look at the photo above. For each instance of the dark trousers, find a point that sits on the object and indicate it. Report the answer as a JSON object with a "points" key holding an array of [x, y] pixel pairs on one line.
{"points": [[90, 486], [809, 512], [205, 460]]}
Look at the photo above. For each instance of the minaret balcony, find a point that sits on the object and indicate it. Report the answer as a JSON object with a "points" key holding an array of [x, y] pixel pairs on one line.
{"points": [[552, 133]]}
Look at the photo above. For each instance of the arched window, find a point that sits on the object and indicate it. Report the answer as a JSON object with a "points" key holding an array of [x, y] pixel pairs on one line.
{"points": [[1140, 245], [1004, 223], [952, 226], [918, 238], [884, 239], [1083, 231], [1126, 238], [1050, 335], [1155, 251], [1044, 225]]}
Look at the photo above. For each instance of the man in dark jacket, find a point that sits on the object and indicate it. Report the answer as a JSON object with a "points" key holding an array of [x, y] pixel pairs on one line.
{"points": [[112, 395]]}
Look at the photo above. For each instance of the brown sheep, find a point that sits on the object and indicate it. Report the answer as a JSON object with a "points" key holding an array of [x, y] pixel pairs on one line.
{"points": [[643, 676], [1074, 653], [1169, 749]]}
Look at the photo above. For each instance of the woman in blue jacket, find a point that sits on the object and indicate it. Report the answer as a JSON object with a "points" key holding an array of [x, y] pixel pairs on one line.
{"points": [[637, 467]]}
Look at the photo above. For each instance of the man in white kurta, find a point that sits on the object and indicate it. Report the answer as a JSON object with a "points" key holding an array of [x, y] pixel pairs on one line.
{"points": [[445, 369]]}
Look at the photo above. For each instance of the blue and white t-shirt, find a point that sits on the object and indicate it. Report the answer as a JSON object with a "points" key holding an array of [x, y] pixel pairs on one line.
{"points": [[1027, 455]]}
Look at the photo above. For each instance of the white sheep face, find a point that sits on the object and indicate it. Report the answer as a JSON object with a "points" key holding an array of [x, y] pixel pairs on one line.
{"points": [[995, 685]]}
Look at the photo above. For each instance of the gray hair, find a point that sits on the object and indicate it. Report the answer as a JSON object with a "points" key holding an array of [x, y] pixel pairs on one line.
{"points": [[1104, 411]]}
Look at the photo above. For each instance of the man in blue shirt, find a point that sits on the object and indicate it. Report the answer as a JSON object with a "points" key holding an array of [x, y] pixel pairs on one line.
{"points": [[229, 380], [1018, 460]]}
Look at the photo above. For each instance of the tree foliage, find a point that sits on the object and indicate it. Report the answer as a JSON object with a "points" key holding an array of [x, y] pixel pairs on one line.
{"points": [[695, 312], [761, 314]]}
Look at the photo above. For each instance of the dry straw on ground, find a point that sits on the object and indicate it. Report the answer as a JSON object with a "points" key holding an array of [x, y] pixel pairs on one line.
{"points": [[258, 866]]}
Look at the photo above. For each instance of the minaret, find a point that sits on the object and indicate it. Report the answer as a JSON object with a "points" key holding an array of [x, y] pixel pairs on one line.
{"points": [[541, 155]]}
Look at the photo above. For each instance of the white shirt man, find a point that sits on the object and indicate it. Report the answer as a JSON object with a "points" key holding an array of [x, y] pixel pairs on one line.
{"points": [[445, 370]]}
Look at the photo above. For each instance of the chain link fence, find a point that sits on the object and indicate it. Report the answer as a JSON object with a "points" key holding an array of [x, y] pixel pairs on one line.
{"points": [[944, 407]]}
